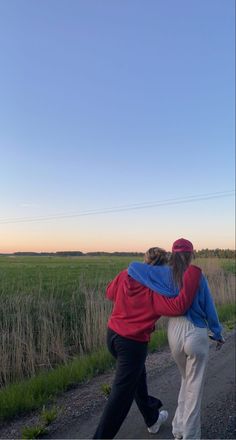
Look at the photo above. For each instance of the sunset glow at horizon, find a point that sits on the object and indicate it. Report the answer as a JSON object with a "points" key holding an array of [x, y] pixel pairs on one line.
{"points": [[128, 232]]}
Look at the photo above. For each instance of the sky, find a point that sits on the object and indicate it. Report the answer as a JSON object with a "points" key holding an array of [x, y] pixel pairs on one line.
{"points": [[108, 104]]}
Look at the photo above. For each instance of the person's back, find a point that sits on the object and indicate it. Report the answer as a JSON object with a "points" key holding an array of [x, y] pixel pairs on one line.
{"points": [[187, 335], [129, 328], [133, 314], [136, 307], [201, 313]]}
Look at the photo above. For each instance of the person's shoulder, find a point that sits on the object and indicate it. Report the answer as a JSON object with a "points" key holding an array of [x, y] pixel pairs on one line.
{"points": [[203, 281], [195, 267], [203, 277], [123, 273]]}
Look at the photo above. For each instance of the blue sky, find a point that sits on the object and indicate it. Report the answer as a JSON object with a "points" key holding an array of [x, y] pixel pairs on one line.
{"points": [[111, 103]]}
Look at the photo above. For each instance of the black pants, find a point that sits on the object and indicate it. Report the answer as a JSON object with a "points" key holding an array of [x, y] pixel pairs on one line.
{"points": [[129, 384]]}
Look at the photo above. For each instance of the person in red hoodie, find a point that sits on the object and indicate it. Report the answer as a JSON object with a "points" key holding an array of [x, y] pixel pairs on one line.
{"points": [[135, 311]]}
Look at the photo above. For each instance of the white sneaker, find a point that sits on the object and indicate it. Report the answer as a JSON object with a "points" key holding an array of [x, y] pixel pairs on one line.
{"points": [[163, 416], [177, 436]]}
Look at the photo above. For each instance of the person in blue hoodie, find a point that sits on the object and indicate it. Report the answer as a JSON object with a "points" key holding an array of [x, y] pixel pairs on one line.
{"points": [[187, 335]]}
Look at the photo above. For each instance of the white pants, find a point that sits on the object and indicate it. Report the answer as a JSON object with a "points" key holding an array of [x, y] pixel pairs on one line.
{"points": [[189, 346]]}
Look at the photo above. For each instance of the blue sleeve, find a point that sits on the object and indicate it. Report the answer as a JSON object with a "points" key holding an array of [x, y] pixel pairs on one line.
{"points": [[157, 278], [210, 311]]}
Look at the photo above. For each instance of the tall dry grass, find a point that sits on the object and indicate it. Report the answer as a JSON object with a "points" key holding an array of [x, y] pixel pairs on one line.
{"points": [[221, 282], [39, 332]]}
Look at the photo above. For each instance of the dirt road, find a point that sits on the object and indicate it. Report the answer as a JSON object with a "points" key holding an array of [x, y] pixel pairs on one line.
{"points": [[83, 406], [218, 402]]}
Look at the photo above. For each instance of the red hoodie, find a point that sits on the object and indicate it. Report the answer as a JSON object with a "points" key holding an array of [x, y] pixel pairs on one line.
{"points": [[136, 307]]}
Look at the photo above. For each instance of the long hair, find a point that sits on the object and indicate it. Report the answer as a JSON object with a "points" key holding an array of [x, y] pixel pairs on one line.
{"points": [[179, 261], [156, 256]]}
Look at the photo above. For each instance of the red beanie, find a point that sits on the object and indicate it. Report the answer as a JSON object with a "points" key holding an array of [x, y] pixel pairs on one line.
{"points": [[182, 245]]}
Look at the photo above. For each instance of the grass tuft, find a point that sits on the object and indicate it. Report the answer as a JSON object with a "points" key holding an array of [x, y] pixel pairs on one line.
{"points": [[49, 415], [106, 389], [32, 432]]}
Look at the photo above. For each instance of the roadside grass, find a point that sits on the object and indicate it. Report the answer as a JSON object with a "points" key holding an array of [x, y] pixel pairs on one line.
{"points": [[49, 415], [36, 431], [106, 389], [32, 432], [227, 315], [33, 393], [30, 394]]}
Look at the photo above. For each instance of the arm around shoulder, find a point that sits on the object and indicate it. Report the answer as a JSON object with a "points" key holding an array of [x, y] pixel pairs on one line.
{"points": [[179, 305]]}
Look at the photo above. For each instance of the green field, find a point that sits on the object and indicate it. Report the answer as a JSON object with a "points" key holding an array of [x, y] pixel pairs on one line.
{"points": [[56, 297], [61, 275], [51, 309], [56, 275]]}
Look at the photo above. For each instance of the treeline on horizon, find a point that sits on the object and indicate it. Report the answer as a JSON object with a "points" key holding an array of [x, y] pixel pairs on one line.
{"points": [[219, 253]]}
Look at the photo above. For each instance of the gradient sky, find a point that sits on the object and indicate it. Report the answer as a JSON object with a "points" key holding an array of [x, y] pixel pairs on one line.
{"points": [[108, 103]]}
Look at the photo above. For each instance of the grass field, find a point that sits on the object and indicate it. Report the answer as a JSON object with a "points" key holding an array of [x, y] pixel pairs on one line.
{"points": [[53, 310], [60, 275]]}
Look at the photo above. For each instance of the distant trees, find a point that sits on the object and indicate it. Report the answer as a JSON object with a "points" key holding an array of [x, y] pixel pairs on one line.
{"points": [[115, 254], [25, 254], [218, 253], [69, 254], [49, 254]]}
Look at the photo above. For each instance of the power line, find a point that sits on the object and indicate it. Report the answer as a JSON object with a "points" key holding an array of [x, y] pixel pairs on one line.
{"points": [[129, 207]]}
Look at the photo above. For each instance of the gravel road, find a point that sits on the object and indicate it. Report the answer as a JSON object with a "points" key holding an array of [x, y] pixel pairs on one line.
{"points": [[80, 408]]}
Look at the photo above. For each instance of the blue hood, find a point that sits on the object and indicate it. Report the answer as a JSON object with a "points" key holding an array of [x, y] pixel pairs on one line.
{"points": [[157, 278], [202, 313]]}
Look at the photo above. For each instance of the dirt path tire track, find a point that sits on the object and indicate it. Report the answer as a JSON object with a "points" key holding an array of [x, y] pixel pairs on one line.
{"points": [[82, 407]]}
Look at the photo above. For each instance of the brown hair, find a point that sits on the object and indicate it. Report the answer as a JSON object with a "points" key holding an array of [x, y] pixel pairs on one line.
{"points": [[155, 256], [179, 262]]}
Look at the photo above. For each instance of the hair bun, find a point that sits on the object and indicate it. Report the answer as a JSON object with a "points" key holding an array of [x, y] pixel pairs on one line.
{"points": [[155, 256]]}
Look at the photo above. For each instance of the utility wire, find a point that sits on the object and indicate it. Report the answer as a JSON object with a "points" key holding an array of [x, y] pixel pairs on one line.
{"points": [[129, 207]]}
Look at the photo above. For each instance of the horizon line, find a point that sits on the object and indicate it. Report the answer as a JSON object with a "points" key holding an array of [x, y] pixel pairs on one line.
{"points": [[102, 251]]}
